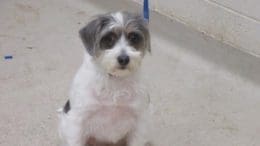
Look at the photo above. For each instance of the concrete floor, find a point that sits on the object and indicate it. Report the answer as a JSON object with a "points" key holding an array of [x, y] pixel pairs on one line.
{"points": [[205, 93]]}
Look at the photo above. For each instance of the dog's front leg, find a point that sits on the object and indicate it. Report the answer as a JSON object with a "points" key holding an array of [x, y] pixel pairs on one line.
{"points": [[71, 130], [141, 136]]}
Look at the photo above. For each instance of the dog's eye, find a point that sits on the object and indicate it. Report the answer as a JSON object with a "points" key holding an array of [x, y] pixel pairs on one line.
{"points": [[134, 38], [108, 41]]}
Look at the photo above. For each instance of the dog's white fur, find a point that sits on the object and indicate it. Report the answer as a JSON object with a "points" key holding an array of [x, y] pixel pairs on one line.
{"points": [[107, 103]]}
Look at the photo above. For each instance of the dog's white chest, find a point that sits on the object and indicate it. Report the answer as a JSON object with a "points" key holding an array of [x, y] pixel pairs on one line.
{"points": [[110, 123], [114, 112]]}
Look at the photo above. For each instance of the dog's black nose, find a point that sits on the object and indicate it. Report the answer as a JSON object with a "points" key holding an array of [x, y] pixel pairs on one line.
{"points": [[123, 59]]}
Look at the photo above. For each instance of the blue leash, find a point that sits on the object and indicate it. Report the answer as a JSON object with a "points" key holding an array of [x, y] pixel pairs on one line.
{"points": [[146, 10]]}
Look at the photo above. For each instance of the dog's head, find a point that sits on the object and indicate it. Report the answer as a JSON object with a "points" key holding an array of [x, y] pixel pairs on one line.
{"points": [[117, 42]]}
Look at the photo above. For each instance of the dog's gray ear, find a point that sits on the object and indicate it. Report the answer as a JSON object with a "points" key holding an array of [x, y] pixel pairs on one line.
{"points": [[147, 35], [149, 43], [89, 33]]}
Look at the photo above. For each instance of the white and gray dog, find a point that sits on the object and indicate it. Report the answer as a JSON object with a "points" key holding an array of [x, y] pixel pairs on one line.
{"points": [[108, 104]]}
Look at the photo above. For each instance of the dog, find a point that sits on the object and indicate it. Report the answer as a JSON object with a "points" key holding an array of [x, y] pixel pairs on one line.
{"points": [[108, 103]]}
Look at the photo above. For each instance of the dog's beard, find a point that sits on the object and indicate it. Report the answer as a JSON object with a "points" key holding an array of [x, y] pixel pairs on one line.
{"points": [[121, 72]]}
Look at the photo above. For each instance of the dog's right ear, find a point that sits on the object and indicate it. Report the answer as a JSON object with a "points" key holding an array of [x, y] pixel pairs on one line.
{"points": [[90, 33]]}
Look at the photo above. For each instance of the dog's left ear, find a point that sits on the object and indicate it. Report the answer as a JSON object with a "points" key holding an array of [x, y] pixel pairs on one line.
{"points": [[148, 37], [149, 42], [89, 33]]}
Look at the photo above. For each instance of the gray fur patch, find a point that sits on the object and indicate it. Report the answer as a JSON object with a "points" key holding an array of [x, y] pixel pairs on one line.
{"points": [[89, 34], [66, 107], [136, 23]]}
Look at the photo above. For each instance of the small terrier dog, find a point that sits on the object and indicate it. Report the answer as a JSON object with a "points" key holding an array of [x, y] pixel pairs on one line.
{"points": [[108, 104]]}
